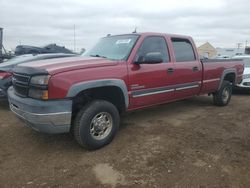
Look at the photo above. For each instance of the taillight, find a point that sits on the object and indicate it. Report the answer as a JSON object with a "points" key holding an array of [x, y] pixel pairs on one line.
{"points": [[4, 75]]}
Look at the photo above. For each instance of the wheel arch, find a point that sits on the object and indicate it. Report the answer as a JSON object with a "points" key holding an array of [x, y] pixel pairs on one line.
{"points": [[112, 90], [229, 75]]}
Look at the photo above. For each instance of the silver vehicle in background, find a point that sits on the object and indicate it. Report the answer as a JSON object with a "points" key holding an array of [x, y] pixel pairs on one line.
{"points": [[246, 74], [6, 68]]}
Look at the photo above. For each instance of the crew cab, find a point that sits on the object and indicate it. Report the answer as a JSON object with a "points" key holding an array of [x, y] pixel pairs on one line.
{"points": [[86, 95]]}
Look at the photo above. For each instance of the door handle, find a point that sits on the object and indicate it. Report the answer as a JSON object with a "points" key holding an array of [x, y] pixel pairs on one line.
{"points": [[195, 69], [170, 70]]}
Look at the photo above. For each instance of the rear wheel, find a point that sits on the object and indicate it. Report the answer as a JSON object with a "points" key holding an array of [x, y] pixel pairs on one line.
{"points": [[96, 124], [223, 96]]}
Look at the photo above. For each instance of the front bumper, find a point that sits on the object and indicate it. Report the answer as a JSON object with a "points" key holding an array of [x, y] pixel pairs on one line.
{"points": [[44, 116]]}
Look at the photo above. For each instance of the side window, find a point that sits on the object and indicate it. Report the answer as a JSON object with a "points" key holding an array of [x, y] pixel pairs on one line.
{"points": [[183, 50], [153, 44]]}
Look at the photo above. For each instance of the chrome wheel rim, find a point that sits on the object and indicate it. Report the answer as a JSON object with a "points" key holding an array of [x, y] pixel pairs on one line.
{"points": [[101, 125], [225, 95]]}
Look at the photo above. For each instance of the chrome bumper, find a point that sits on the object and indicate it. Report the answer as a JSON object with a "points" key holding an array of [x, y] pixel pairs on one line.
{"points": [[43, 116]]}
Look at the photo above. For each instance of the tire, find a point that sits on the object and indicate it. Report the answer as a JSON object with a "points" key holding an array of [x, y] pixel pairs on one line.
{"points": [[96, 124], [223, 96]]}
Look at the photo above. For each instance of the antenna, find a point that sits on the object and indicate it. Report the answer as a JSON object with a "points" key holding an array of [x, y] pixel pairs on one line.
{"points": [[135, 30], [1, 44]]}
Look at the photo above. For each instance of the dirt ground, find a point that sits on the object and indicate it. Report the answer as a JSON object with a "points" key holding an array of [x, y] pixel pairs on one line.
{"points": [[189, 143]]}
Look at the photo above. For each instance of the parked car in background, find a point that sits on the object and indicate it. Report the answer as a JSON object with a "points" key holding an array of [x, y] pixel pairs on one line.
{"points": [[50, 48], [222, 57], [86, 95], [6, 67], [246, 74]]}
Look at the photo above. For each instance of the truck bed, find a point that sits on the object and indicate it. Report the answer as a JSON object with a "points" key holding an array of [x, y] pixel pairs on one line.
{"points": [[214, 71], [219, 60]]}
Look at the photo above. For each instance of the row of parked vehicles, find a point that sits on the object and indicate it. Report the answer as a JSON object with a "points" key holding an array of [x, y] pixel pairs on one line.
{"points": [[85, 95]]}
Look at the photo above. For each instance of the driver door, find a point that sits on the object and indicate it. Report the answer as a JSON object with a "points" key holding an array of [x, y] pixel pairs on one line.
{"points": [[149, 83]]}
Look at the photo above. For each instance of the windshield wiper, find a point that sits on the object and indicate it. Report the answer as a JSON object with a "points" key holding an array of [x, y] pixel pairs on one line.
{"points": [[97, 55]]}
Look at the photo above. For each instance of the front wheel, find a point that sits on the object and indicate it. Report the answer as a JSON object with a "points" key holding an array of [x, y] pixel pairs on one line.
{"points": [[223, 96], [96, 124]]}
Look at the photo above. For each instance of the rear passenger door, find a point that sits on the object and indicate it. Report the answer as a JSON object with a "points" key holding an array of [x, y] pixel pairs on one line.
{"points": [[187, 70]]}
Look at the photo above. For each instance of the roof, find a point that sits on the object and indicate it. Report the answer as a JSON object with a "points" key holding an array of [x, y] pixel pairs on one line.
{"points": [[155, 33], [208, 45]]}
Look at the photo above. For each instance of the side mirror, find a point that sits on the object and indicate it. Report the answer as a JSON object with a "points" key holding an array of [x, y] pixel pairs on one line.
{"points": [[150, 58]]}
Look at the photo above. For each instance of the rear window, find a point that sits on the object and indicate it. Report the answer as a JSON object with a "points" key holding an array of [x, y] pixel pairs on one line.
{"points": [[183, 50]]}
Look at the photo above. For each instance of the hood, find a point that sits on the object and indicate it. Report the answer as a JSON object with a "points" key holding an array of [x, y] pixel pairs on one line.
{"points": [[247, 70], [54, 66]]}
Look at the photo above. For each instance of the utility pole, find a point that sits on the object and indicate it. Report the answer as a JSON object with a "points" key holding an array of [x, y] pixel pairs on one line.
{"points": [[247, 48], [1, 44], [74, 38], [239, 45]]}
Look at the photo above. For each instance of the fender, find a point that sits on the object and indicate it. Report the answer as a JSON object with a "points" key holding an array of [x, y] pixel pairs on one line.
{"points": [[225, 72], [77, 88]]}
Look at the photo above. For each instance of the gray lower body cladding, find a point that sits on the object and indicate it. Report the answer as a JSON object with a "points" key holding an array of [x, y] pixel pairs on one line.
{"points": [[44, 116]]}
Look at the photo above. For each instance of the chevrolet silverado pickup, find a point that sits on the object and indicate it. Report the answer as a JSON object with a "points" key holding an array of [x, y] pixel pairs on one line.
{"points": [[86, 95]]}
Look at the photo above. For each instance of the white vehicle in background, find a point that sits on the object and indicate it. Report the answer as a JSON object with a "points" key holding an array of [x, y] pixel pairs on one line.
{"points": [[222, 57], [246, 74]]}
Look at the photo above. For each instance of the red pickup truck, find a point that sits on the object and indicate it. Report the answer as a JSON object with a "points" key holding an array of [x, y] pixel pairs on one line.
{"points": [[86, 95]]}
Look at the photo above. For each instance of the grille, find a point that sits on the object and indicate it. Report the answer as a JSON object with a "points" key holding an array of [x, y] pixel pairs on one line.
{"points": [[22, 78], [21, 84]]}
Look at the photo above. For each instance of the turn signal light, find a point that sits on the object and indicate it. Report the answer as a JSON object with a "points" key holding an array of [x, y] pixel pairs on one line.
{"points": [[39, 94], [45, 95]]}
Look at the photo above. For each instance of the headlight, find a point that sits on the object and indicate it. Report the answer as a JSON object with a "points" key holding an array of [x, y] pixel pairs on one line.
{"points": [[39, 87], [40, 80], [245, 76]]}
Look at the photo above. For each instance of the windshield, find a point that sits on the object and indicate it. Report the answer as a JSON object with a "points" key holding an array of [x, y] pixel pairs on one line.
{"points": [[247, 62], [113, 47]]}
